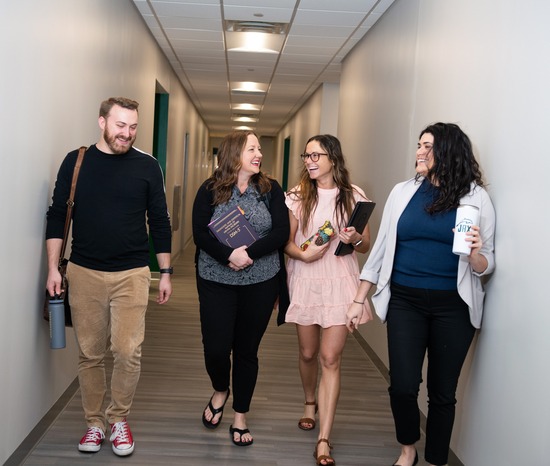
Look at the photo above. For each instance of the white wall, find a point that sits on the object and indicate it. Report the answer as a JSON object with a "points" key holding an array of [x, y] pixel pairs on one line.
{"points": [[329, 109], [60, 59], [316, 116], [483, 65]]}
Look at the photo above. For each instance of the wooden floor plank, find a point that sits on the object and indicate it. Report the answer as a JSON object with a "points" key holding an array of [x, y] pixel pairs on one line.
{"points": [[174, 388]]}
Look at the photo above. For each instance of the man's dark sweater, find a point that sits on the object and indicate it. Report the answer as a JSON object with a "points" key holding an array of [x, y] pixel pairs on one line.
{"points": [[115, 196]]}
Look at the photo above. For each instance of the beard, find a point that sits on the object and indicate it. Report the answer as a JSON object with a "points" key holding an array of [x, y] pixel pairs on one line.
{"points": [[112, 141]]}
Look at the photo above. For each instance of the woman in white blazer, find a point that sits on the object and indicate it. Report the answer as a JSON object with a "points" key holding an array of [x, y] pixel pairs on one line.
{"points": [[430, 298]]}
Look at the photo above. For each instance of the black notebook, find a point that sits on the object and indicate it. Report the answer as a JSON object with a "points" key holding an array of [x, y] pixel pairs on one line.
{"points": [[359, 218]]}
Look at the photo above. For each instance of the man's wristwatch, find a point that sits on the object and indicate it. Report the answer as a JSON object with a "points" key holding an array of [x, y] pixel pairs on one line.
{"points": [[358, 243], [169, 270]]}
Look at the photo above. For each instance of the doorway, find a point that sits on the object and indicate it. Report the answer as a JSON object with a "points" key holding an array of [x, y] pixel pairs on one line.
{"points": [[286, 161], [160, 144]]}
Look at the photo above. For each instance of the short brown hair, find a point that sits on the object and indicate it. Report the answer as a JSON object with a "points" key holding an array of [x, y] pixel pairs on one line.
{"points": [[123, 102]]}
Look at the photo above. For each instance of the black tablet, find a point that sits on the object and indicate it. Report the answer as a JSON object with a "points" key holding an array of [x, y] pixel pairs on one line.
{"points": [[359, 218]]}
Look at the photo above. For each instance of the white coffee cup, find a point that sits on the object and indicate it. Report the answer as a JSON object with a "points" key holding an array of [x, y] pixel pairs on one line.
{"points": [[466, 216]]}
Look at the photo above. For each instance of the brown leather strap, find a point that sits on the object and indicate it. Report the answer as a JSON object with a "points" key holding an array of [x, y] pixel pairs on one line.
{"points": [[70, 202]]}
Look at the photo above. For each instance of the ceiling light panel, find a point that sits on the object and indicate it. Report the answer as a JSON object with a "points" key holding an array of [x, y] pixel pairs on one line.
{"points": [[249, 87], [245, 108], [244, 118], [257, 42]]}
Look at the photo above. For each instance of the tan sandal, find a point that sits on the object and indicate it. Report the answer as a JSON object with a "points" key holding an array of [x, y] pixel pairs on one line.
{"points": [[308, 420], [328, 460]]}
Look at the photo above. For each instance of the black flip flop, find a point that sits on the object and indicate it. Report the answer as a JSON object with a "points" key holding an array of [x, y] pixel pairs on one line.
{"points": [[209, 424], [241, 432]]}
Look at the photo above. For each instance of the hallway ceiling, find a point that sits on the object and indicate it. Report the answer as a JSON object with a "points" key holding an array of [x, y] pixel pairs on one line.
{"points": [[309, 41]]}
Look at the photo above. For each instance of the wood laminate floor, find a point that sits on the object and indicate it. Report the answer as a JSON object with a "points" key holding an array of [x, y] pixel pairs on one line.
{"points": [[174, 388]]}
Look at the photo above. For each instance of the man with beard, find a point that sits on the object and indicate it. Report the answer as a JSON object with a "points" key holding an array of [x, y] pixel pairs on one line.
{"points": [[118, 188]]}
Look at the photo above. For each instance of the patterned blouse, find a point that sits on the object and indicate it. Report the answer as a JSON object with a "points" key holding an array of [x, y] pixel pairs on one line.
{"points": [[257, 213]]}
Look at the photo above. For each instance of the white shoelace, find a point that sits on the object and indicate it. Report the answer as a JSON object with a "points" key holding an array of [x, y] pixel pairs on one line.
{"points": [[93, 435], [120, 432]]}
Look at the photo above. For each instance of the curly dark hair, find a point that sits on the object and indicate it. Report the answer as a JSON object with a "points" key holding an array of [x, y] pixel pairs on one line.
{"points": [[306, 191], [229, 163], [454, 168]]}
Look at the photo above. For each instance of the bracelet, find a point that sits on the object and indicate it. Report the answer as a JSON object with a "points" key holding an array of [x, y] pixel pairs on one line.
{"points": [[358, 302]]}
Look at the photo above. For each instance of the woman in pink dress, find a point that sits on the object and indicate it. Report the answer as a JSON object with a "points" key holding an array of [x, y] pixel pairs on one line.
{"points": [[322, 286]]}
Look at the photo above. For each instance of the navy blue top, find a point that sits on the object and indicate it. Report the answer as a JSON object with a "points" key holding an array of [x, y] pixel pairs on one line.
{"points": [[423, 255], [116, 197]]}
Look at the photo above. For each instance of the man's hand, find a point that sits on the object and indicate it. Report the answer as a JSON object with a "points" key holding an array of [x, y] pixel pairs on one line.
{"points": [[165, 288]]}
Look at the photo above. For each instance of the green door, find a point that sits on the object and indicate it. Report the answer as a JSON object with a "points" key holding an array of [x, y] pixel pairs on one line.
{"points": [[160, 136]]}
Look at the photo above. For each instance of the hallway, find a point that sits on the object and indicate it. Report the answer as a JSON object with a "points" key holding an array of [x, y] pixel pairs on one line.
{"points": [[174, 388]]}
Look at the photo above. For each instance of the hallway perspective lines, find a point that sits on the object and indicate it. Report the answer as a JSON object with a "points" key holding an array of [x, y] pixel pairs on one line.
{"points": [[174, 388]]}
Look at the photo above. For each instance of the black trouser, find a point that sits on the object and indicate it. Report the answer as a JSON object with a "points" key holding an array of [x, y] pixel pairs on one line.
{"points": [[234, 318], [439, 322]]}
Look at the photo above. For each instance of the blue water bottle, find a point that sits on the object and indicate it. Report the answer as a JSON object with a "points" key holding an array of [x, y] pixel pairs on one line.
{"points": [[56, 309]]}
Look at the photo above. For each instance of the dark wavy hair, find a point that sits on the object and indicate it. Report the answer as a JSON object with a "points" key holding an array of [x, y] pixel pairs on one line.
{"points": [[229, 163], [306, 191], [454, 168]]}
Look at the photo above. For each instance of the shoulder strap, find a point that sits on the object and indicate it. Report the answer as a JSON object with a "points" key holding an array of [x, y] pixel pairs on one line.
{"points": [[70, 202]]}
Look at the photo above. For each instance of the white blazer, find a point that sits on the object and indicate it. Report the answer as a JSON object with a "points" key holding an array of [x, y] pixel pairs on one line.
{"points": [[378, 268]]}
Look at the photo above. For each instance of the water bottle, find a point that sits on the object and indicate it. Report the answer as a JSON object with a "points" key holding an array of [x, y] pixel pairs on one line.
{"points": [[56, 308]]}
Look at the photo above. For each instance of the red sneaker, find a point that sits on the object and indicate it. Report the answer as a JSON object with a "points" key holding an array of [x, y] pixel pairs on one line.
{"points": [[121, 438], [92, 440]]}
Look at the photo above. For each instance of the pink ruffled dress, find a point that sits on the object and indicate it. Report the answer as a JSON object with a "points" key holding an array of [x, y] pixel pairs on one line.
{"points": [[321, 291]]}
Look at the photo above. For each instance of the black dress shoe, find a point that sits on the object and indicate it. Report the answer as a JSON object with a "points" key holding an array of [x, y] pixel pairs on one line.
{"points": [[415, 462]]}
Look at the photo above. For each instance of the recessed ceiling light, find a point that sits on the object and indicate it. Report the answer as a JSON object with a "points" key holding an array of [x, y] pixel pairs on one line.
{"points": [[244, 118], [254, 36], [256, 26], [256, 42], [248, 87], [246, 107]]}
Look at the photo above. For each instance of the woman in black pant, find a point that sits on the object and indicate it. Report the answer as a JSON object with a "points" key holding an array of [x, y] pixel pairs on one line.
{"points": [[238, 287], [430, 298]]}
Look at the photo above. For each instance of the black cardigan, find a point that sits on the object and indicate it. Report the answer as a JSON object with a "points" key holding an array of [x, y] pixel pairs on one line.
{"points": [[276, 239]]}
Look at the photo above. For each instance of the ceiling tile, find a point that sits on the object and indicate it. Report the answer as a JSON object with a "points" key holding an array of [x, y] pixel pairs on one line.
{"points": [[321, 33]]}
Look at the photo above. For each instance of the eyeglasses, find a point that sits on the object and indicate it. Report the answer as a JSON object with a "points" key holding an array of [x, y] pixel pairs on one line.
{"points": [[314, 156]]}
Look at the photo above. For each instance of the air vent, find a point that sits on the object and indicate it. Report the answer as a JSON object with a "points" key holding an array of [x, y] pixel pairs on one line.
{"points": [[256, 26]]}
